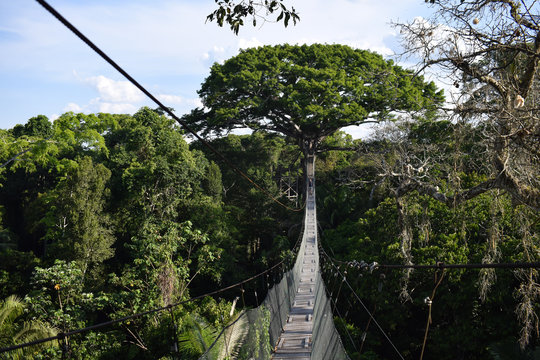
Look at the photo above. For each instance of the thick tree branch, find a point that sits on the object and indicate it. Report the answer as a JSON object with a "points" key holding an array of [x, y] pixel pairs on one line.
{"points": [[531, 69], [322, 149], [514, 12], [14, 157], [529, 197], [475, 73]]}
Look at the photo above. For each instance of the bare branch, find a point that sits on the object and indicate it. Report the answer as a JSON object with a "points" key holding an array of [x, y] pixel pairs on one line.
{"points": [[14, 157]]}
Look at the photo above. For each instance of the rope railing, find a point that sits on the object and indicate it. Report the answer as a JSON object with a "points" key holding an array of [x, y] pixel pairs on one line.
{"points": [[442, 265], [64, 335], [353, 292]]}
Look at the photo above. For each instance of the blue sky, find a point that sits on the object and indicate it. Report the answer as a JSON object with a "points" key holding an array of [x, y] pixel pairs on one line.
{"points": [[164, 44]]}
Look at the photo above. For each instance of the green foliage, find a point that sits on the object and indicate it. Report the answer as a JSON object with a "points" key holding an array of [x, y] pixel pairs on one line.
{"points": [[196, 337], [233, 13], [36, 126], [76, 224], [15, 269], [57, 296], [248, 224], [213, 181], [115, 214], [153, 171], [14, 332], [166, 257], [508, 351]]}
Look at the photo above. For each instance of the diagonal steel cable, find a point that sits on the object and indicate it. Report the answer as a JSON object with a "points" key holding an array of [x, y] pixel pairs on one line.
{"points": [[101, 53]]}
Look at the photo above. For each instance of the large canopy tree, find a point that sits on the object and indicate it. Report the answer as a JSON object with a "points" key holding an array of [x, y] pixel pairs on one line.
{"points": [[307, 92]]}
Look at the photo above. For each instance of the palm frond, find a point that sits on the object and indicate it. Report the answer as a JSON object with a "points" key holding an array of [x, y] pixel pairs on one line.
{"points": [[196, 336], [234, 337], [10, 309]]}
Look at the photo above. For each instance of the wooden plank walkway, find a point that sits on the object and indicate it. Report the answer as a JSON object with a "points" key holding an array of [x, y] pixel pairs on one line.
{"points": [[295, 341]]}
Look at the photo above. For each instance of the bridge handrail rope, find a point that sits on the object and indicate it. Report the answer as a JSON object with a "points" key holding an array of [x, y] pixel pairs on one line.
{"points": [[442, 265], [360, 301], [334, 302], [63, 335], [94, 47]]}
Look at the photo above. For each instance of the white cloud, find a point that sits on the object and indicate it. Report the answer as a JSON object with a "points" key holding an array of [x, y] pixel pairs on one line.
{"points": [[121, 97], [245, 43], [216, 54], [360, 131], [116, 108], [178, 100], [380, 49], [73, 107], [115, 91], [115, 96], [198, 102], [171, 99]]}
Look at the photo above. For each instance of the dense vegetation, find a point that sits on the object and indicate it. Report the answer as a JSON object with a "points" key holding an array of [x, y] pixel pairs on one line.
{"points": [[476, 314], [104, 215], [110, 215]]}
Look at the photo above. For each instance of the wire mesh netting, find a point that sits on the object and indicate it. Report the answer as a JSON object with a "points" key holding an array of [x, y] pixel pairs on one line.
{"points": [[255, 332], [326, 340]]}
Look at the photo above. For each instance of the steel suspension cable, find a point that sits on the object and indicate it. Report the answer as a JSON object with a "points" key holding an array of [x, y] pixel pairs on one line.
{"points": [[440, 265], [63, 335], [365, 307], [94, 47]]}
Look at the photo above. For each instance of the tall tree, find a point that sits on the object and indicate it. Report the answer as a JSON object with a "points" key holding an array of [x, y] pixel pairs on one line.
{"points": [[77, 224], [307, 92], [36, 126]]}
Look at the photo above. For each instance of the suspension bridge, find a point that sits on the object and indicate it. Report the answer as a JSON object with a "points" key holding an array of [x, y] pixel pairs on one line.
{"points": [[295, 321], [309, 332], [297, 336], [300, 321]]}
